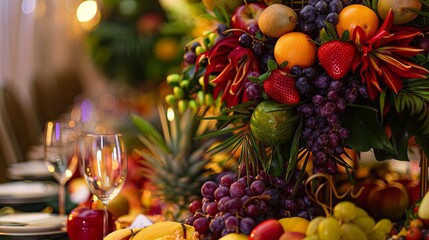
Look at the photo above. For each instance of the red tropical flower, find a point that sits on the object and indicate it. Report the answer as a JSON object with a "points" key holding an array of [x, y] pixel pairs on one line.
{"points": [[384, 56], [230, 64]]}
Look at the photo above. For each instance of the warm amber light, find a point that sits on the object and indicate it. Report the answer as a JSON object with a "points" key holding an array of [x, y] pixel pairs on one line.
{"points": [[86, 11], [48, 139]]}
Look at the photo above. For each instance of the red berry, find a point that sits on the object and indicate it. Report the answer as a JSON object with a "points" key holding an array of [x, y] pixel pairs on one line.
{"points": [[336, 58], [280, 86]]}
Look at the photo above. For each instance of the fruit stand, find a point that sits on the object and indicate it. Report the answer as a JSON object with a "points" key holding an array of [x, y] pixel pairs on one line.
{"points": [[263, 131]]}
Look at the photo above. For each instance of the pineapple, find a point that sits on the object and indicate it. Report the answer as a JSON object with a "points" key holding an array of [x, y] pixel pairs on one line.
{"points": [[175, 160]]}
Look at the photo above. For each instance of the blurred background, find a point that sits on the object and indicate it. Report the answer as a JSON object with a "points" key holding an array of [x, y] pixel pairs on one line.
{"points": [[87, 59]]}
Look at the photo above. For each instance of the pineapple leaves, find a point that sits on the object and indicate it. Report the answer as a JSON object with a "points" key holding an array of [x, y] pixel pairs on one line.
{"points": [[148, 130]]}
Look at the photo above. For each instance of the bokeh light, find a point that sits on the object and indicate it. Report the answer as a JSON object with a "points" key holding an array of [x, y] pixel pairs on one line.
{"points": [[28, 6], [86, 11]]}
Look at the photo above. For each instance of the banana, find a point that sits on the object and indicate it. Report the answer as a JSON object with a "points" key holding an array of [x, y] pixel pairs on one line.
{"points": [[423, 212], [122, 234], [165, 228]]}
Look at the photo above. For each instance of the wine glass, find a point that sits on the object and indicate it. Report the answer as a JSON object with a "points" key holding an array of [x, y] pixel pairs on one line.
{"points": [[61, 154], [104, 166]]}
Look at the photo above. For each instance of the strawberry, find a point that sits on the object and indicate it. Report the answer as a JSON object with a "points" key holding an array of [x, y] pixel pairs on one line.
{"points": [[280, 86], [336, 57]]}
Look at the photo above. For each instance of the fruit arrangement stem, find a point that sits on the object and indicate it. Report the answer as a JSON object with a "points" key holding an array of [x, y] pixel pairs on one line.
{"points": [[423, 174], [321, 189]]}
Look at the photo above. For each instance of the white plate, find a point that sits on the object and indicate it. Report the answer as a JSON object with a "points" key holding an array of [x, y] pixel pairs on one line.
{"points": [[27, 192], [35, 234], [32, 169], [32, 223]]}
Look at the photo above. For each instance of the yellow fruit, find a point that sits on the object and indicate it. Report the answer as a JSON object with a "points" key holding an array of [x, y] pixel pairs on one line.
{"points": [[276, 20], [400, 8], [312, 228], [376, 235], [357, 15], [352, 232], [234, 236], [165, 228], [345, 210], [365, 223], [423, 211], [329, 229], [294, 224], [296, 48], [384, 225], [118, 206], [122, 234], [360, 212]]}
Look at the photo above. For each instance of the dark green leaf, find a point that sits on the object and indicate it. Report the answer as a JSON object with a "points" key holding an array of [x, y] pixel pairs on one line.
{"points": [[366, 131], [345, 36], [272, 65], [332, 33]]}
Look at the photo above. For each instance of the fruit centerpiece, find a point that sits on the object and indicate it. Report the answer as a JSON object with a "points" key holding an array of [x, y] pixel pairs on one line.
{"points": [[292, 90]]}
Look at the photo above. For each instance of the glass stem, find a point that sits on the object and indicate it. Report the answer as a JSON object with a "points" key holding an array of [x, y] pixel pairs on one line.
{"points": [[61, 199], [105, 220]]}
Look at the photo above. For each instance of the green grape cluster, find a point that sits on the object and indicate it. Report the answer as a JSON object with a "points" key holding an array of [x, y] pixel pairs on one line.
{"points": [[186, 95], [189, 90], [348, 222]]}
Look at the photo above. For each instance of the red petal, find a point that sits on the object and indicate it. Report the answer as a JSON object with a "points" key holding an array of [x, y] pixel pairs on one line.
{"points": [[404, 38], [388, 21], [371, 83], [393, 81], [392, 60], [359, 36], [416, 68], [401, 51], [405, 74], [375, 65]]}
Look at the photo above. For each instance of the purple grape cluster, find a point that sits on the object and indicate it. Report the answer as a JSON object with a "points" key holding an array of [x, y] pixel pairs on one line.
{"points": [[312, 17], [323, 130], [261, 45], [239, 204]]}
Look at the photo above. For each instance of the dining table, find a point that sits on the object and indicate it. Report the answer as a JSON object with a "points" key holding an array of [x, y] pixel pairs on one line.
{"points": [[29, 204]]}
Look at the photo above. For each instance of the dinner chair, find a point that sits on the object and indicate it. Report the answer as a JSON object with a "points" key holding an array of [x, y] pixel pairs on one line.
{"points": [[21, 130], [54, 95], [3, 155]]}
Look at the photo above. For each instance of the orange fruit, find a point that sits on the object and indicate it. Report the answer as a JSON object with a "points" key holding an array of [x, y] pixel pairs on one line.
{"points": [[296, 48], [357, 15]]}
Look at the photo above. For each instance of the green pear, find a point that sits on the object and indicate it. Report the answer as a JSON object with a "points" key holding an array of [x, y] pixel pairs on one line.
{"points": [[423, 212]]}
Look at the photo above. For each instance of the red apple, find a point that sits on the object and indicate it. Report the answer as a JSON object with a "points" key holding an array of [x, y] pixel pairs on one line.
{"points": [[268, 229], [246, 14], [292, 236], [87, 223], [414, 233], [366, 185], [388, 201], [413, 189]]}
